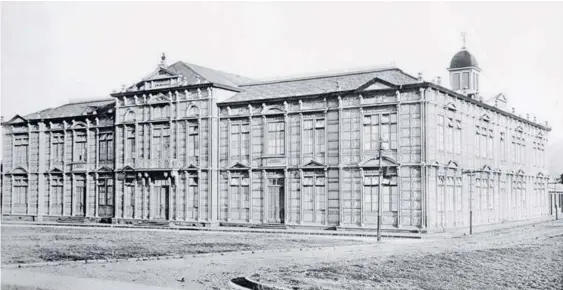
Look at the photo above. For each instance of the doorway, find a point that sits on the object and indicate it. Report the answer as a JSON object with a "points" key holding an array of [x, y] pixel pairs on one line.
{"points": [[162, 199], [80, 197], [276, 210]]}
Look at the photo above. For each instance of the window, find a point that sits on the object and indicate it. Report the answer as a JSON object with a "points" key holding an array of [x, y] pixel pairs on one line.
{"points": [[450, 192], [502, 146], [57, 191], [389, 192], [458, 194], [450, 135], [193, 139], [161, 143], [105, 147], [276, 138], [240, 195], [490, 144], [518, 148], [240, 141], [484, 141], [440, 132], [160, 112], [441, 194], [380, 128], [314, 190], [58, 147], [80, 147], [193, 183], [313, 137], [105, 191], [21, 143], [456, 81], [389, 188], [457, 136], [20, 190], [465, 81], [130, 146]]}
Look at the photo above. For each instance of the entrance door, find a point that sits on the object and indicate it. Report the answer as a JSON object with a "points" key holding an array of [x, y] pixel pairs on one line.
{"points": [[162, 200], [80, 198], [276, 200]]}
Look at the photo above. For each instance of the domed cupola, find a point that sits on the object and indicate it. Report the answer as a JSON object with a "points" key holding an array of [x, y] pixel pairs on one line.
{"points": [[464, 72]]}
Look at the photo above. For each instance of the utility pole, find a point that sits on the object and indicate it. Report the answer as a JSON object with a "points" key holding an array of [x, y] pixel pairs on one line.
{"points": [[379, 194], [470, 173]]}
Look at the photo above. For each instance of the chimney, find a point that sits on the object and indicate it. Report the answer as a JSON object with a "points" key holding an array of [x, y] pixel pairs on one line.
{"points": [[513, 110], [535, 119], [527, 116], [420, 77], [439, 81]]}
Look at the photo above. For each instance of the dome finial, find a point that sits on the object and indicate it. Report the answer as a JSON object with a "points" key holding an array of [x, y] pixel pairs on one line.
{"points": [[463, 40]]}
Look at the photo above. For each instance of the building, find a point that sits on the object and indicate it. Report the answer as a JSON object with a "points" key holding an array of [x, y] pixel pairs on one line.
{"points": [[191, 145]]}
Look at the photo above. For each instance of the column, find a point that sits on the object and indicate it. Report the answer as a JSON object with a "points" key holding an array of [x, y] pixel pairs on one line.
{"points": [[264, 197], [228, 196], [96, 193]]}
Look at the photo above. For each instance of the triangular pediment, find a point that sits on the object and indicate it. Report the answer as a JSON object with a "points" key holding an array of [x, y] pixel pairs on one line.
{"points": [[239, 165], [191, 166], [19, 170], [501, 97], [486, 168], [17, 119], [376, 162], [376, 84], [313, 163], [520, 172], [451, 106], [486, 118], [519, 129], [159, 98], [452, 164], [56, 170], [159, 74], [127, 168], [104, 169]]}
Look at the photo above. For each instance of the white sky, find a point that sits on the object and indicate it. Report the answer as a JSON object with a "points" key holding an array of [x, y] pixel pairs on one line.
{"points": [[54, 52]]}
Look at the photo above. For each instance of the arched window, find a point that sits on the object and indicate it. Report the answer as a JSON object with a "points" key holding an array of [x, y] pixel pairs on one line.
{"points": [[193, 111], [129, 116]]}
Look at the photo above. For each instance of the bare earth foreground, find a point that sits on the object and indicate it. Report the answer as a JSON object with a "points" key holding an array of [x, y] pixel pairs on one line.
{"points": [[529, 257]]}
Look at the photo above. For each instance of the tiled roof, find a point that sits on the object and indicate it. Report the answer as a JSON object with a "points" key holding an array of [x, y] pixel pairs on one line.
{"points": [[319, 84], [72, 109], [211, 75]]}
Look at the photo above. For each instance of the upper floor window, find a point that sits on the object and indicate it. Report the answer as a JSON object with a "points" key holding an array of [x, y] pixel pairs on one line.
{"points": [[161, 142], [58, 147], [105, 146], [518, 148], [193, 139], [240, 141], [160, 112], [314, 136], [440, 134], [80, 147], [130, 142], [276, 138], [457, 137], [502, 146], [21, 143], [380, 128]]}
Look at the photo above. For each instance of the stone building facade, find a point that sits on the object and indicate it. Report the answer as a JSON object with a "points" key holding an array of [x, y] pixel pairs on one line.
{"points": [[192, 145]]}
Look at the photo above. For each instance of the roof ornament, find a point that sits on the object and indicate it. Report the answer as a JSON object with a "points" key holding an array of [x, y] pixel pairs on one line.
{"points": [[162, 60], [463, 39]]}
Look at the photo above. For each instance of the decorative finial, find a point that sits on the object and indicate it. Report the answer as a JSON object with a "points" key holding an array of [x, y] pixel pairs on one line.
{"points": [[463, 40], [163, 59]]}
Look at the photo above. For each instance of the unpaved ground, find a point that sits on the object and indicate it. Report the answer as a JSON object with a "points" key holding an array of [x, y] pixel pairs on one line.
{"points": [[526, 248], [526, 264], [29, 244]]}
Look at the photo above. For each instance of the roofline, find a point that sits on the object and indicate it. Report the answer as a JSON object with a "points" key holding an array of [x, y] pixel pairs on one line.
{"points": [[86, 101], [476, 102], [400, 88], [195, 86], [326, 75]]}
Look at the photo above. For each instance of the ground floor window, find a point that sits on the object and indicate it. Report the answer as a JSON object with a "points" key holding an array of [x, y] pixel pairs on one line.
{"points": [[20, 190], [105, 191], [57, 191], [314, 190]]}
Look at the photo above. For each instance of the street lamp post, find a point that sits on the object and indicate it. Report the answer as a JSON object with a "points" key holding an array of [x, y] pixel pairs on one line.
{"points": [[379, 190], [470, 173]]}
